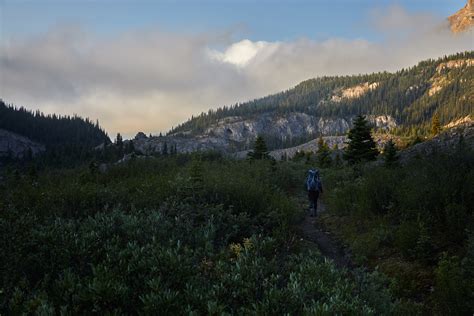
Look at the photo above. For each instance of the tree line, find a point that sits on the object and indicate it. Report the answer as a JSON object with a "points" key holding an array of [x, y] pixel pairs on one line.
{"points": [[68, 139], [403, 95]]}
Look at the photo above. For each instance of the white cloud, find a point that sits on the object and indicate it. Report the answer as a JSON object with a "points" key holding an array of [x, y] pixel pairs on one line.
{"points": [[152, 80], [241, 53]]}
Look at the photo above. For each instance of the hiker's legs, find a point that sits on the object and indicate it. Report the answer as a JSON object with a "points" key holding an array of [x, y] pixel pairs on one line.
{"points": [[313, 199], [315, 202]]}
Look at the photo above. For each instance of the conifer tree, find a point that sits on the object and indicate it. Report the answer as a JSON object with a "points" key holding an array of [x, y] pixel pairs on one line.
{"points": [[435, 125], [164, 149], [361, 146], [119, 140], [260, 150], [324, 154], [119, 146], [390, 154]]}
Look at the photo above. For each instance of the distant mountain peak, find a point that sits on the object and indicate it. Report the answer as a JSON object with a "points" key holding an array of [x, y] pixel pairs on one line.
{"points": [[463, 20]]}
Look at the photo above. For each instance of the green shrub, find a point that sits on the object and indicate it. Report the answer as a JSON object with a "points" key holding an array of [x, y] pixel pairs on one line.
{"points": [[451, 289], [165, 236]]}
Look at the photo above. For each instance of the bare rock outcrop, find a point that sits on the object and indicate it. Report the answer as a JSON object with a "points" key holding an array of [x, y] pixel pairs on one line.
{"points": [[354, 92], [15, 146], [233, 134], [463, 20], [441, 79]]}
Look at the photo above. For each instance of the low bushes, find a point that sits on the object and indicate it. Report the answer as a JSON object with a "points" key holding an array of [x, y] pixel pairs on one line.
{"points": [[167, 237], [424, 208]]}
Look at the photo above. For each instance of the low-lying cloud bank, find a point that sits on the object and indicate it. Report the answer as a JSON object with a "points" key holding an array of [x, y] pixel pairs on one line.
{"points": [[151, 80]]}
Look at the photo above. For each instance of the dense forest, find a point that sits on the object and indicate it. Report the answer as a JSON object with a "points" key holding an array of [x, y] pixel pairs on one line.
{"points": [[68, 139], [404, 95]]}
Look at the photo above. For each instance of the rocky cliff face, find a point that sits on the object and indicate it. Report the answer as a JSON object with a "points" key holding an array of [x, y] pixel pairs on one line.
{"points": [[441, 79], [467, 120], [16, 146], [233, 133], [353, 92], [290, 126], [463, 20]]}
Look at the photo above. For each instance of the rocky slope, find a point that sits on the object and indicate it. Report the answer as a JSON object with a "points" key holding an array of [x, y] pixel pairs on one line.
{"points": [[451, 139], [16, 146], [463, 20], [325, 107], [441, 78], [233, 134], [353, 92]]}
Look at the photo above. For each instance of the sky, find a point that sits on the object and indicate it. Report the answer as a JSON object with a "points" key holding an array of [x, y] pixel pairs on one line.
{"points": [[149, 65]]}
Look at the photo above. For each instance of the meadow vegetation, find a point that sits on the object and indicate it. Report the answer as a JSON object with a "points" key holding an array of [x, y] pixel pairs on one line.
{"points": [[171, 235], [414, 223]]}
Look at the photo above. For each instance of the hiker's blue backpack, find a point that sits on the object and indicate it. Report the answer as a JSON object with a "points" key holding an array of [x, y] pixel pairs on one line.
{"points": [[312, 183]]}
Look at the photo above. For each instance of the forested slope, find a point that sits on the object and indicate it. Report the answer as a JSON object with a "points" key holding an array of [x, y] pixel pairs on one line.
{"points": [[66, 138], [411, 96]]}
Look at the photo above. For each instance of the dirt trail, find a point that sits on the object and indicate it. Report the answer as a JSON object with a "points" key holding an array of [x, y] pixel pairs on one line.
{"points": [[312, 231]]}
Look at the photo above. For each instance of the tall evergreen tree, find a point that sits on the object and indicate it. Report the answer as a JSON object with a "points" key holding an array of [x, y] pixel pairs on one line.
{"points": [[119, 140], [164, 149], [390, 154], [260, 150], [323, 154], [435, 125], [119, 145], [361, 146]]}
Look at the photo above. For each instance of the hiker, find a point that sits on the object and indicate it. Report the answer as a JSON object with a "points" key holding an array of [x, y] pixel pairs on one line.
{"points": [[314, 188]]}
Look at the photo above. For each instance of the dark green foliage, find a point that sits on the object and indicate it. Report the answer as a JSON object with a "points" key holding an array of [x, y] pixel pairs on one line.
{"points": [[169, 235], [69, 140], [260, 150], [390, 154], [435, 125], [119, 145], [452, 286], [413, 214], [361, 146], [119, 140], [323, 154]]}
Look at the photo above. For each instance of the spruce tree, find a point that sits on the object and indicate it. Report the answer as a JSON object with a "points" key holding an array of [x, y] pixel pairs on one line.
{"points": [[119, 140], [260, 150], [361, 146], [390, 154], [164, 150], [119, 146], [323, 154], [435, 125]]}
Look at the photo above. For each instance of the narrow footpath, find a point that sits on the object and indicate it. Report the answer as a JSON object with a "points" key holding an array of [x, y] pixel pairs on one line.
{"points": [[312, 231]]}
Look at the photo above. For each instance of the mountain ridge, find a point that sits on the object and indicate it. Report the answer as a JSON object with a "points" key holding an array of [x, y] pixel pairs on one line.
{"points": [[463, 20], [400, 102]]}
